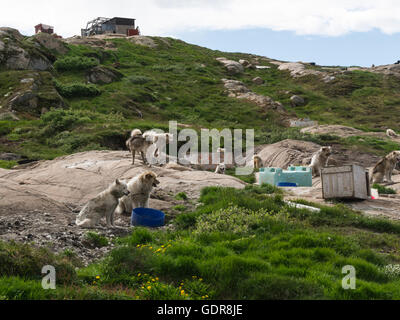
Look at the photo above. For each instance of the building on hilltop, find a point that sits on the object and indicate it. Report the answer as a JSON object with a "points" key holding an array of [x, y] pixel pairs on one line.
{"points": [[100, 25], [44, 28]]}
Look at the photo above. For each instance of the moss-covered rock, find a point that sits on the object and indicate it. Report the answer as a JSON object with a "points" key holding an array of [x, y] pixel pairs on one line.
{"points": [[28, 92], [18, 54], [103, 75]]}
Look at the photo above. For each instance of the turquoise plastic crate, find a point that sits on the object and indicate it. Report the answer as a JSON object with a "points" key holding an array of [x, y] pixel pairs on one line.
{"points": [[302, 176]]}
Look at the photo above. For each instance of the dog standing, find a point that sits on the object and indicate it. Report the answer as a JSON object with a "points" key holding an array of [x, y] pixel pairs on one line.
{"points": [[138, 143], [140, 188], [103, 205], [320, 160], [384, 168], [258, 163], [155, 137]]}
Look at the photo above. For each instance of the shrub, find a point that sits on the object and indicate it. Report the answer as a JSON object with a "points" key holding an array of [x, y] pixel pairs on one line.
{"points": [[77, 89], [232, 219], [24, 261], [59, 120], [96, 240], [7, 164], [383, 190], [75, 63], [181, 196]]}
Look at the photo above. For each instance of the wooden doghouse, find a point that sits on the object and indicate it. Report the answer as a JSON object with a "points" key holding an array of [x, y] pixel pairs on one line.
{"points": [[345, 182]]}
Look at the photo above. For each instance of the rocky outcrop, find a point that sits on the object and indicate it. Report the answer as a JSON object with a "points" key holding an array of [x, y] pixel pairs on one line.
{"points": [[79, 177], [237, 89], [287, 152], [17, 54], [296, 101], [344, 132], [143, 41], [95, 42], [9, 156], [32, 93], [258, 81], [299, 69], [231, 66], [51, 43], [103, 75]]}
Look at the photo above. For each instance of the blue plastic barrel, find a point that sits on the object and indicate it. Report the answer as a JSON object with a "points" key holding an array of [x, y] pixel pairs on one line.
{"points": [[287, 184], [147, 217]]}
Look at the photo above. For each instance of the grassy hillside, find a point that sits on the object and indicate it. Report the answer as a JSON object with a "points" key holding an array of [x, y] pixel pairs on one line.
{"points": [[239, 244], [179, 81]]}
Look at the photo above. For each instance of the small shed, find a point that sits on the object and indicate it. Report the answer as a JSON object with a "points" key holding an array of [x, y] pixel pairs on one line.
{"points": [[345, 182], [119, 26], [44, 28], [116, 25]]}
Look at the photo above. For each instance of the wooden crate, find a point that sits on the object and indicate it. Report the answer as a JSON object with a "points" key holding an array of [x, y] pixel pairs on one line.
{"points": [[345, 182]]}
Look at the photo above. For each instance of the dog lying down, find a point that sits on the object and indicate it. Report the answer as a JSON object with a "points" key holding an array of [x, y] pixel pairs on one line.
{"points": [[103, 205]]}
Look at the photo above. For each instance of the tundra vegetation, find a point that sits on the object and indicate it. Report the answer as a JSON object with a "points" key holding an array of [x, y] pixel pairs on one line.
{"points": [[238, 244], [182, 82]]}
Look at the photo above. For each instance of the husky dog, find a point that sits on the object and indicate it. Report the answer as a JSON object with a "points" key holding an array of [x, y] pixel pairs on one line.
{"points": [[103, 205], [140, 188], [220, 168], [138, 143], [384, 168], [391, 134], [258, 163], [320, 160], [154, 137]]}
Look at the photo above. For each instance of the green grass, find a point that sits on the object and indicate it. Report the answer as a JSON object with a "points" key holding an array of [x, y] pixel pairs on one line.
{"points": [[179, 81], [239, 244], [384, 190], [260, 249], [96, 240], [7, 164]]}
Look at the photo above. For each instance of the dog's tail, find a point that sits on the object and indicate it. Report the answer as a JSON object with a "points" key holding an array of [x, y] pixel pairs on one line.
{"points": [[135, 133]]}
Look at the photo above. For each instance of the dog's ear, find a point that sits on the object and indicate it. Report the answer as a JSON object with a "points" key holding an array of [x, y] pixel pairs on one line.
{"points": [[149, 176], [117, 181]]}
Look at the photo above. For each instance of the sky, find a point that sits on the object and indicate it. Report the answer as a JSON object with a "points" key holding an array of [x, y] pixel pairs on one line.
{"points": [[340, 32]]}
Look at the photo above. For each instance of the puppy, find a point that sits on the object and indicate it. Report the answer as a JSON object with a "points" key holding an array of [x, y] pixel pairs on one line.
{"points": [[320, 160], [103, 205], [384, 168], [140, 188]]}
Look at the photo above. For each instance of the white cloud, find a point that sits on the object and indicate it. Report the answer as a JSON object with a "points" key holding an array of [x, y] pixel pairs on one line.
{"points": [[162, 17]]}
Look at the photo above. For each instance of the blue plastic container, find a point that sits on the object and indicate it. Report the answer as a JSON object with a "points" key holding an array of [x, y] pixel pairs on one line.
{"points": [[287, 184], [147, 217]]}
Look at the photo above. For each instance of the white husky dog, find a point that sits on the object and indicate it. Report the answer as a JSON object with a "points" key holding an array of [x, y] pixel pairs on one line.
{"points": [[103, 205]]}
